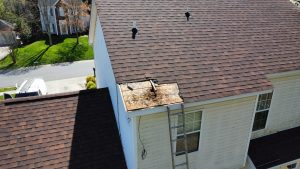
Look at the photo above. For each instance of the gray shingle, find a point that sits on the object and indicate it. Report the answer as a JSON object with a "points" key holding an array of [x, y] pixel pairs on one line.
{"points": [[225, 49]]}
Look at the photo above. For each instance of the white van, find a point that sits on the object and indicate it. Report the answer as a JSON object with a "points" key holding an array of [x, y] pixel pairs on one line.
{"points": [[32, 87]]}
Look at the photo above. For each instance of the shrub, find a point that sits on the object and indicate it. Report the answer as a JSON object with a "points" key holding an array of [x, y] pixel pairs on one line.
{"points": [[91, 85], [90, 78]]}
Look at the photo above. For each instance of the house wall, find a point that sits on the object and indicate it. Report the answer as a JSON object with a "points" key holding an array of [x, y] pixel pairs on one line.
{"points": [[285, 106], [52, 20], [7, 38], [105, 78], [249, 164], [224, 137], [55, 20], [92, 23]]}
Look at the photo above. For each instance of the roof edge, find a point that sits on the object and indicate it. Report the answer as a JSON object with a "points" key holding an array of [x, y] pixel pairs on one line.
{"points": [[8, 24], [175, 106], [50, 96]]}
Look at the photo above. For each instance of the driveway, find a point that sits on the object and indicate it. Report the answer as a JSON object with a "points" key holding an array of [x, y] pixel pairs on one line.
{"points": [[47, 72], [61, 86], [66, 85]]}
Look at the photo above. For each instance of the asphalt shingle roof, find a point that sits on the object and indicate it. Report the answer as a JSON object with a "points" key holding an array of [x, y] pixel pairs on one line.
{"points": [[225, 49], [74, 130], [275, 149], [5, 26]]}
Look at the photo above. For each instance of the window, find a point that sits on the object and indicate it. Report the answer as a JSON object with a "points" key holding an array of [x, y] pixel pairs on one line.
{"points": [[53, 28], [192, 127], [51, 12], [64, 29], [262, 111], [61, 11]]}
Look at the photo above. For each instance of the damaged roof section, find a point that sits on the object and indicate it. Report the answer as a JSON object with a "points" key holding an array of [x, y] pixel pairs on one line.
{"points": [[147, 94]]}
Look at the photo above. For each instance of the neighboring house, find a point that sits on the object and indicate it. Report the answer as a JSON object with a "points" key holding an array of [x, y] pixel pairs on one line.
{"points": [[234, 66], [7, 34], [74, 130], [58, 18]]}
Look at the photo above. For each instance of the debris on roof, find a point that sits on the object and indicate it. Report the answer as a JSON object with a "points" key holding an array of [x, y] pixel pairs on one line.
{"points": [[141, 95], [216, 55]]}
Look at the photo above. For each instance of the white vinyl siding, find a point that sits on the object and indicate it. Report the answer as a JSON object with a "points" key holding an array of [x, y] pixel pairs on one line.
{"points": [[224, 137], [285, 109], [249, 164], [105, 78]]}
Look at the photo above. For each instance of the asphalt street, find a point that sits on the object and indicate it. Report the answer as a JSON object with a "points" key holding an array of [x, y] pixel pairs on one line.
{"points": [[47, 72]]}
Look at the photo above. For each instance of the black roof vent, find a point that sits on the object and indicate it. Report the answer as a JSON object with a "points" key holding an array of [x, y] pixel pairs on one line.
{"points": [[187, 15], [134, 30]]}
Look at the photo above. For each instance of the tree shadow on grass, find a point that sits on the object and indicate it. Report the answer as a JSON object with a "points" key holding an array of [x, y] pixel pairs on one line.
{"points": [[34, 61], [9, 66], [29, 64], [55, 39], [71, 52]]}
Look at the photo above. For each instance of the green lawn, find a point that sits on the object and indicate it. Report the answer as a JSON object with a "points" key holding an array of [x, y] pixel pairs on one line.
{"points": [[39, 53], [5, 89]]}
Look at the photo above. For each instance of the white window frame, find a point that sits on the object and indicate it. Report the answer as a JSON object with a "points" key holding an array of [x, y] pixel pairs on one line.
{"points": [[258, 111], [191, 132]]}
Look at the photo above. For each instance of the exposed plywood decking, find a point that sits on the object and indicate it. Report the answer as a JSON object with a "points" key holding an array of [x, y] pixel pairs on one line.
{"points": [[141, 95]]}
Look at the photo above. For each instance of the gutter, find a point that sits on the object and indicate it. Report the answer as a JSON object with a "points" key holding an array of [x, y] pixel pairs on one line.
{"points": [[153, 110]]}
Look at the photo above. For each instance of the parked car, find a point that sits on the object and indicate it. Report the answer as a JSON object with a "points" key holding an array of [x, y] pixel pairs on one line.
{"points": [[32, 87]]}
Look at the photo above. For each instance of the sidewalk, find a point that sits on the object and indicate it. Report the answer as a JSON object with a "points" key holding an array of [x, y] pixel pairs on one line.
{"points": [[66, 85], [61, 86], [47, 72]]}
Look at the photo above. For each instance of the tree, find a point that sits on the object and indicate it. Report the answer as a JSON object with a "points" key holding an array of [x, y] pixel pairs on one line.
{"points": [[76, 10], [15, 12], [33, 16], [13, 47], [45, 6]]}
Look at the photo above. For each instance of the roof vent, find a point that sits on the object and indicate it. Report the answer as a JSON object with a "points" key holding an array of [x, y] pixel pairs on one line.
{"points": [[187, 15], [134, 30]]}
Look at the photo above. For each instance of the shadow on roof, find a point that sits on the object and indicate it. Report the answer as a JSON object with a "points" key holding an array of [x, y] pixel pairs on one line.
{"points": [[96, 142]]}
